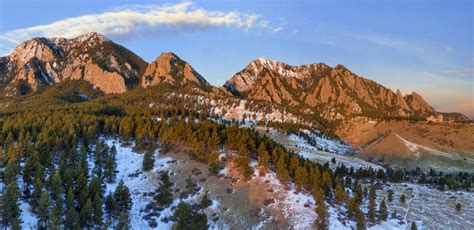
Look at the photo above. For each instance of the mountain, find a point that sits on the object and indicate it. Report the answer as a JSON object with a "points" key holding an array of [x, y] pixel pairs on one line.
{"points": [[169, 68], [335, 93], [92, 57]]}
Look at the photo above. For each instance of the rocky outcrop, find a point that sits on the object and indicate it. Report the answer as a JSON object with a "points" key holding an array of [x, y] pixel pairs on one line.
{"points": [[418, 104], [41, 61], [331, 92], [169, 68]]}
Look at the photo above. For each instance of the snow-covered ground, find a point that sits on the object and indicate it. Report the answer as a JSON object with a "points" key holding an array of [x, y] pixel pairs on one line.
{"points": [[140, 183], [300, 146], [298, 207], [324, 157], [321, 143], [29, 219], [129, 165]]}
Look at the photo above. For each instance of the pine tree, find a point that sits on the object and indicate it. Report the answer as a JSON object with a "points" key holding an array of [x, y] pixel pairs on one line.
{"points": [[402, 198], [86, 215], [199, 222], [294, 164], [10, 208], [327, 182], [95, 187], [71, 221], [205, 200], [56, 186], [383, 211], [164, 196], [98, 210], [458, 207], [390, 195], [413, 226], [83, 196], [340, 194], [183, 216], [372, 204], [263, 159], [110, 206], [282, 171], [16, 224], [360, 220], [122, 197], [55, 217], [123, 221], [359, 194], [148, 161], [301, 176], [321, 210], [11, 171], [28, 173], [43, 211], [110, 171], [352, 207]]}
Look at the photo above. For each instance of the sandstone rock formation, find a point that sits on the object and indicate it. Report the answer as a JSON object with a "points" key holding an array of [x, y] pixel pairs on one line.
{"points": [[169, 68], [333, 92], [41, 61]]}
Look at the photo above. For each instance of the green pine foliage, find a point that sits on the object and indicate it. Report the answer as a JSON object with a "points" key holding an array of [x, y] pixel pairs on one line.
{"points": [[382, 211], [148, 161], [164, 197]]}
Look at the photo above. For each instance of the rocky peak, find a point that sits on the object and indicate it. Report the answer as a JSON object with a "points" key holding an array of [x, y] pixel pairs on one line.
{"points": [[92, 36], [171, 69], [244, 80], [418, 104], [92, 57], [400, 101], [39, 48]]}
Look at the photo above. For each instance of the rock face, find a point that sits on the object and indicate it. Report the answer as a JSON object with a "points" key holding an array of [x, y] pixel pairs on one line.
{"points": [[169, 68], [41, 61], [334, 93]]}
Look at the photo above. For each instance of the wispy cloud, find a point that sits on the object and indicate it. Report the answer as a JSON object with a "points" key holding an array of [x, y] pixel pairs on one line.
{"points": [[461, 72], [277, 29], [140, 19]]}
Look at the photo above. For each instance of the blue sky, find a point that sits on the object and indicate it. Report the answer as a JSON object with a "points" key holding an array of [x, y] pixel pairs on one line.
{"points": [[413, 45]]}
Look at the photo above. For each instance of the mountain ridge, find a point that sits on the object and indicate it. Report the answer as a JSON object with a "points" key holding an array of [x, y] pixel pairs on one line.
{"points": [[334, 92]]}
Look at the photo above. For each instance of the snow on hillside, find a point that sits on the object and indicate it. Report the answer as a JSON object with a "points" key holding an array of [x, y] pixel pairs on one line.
{"points": [[142, 183], [321, 143], [323, 157], [415, 148], [298, 207], [301, 147], [129, 169]]}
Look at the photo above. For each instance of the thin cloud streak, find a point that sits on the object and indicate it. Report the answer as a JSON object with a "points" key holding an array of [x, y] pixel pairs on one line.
{"points": [[146, 20]]}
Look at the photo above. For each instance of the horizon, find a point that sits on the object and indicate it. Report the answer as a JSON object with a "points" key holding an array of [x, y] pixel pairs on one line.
{"points": [[426, 48]]}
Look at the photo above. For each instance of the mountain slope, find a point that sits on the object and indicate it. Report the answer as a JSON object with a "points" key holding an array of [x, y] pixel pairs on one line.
{"points": [[318, 88], [41, 61]]}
